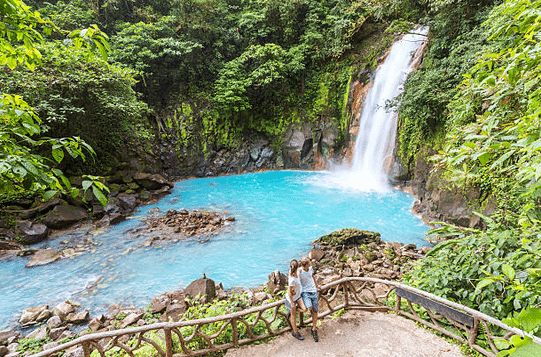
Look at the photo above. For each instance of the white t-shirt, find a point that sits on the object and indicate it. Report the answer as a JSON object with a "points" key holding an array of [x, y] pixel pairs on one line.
{"points": [[296, 284], [307, 280]]}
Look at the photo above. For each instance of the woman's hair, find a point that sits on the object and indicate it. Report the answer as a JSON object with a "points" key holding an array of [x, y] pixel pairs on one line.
{"points": [[293, 266], [305, 261]]}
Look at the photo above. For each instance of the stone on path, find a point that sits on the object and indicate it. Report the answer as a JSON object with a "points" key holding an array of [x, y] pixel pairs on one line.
{"points": [[357, 333]]}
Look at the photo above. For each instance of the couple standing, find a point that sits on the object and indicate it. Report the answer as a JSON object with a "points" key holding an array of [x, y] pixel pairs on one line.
{"points": [[301, 295]]}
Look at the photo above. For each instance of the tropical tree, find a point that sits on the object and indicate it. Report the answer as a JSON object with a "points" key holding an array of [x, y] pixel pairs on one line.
{"points": [[23, 164]]}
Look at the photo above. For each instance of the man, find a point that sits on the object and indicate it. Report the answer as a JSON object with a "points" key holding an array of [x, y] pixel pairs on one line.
{"points": [[309, 292]]}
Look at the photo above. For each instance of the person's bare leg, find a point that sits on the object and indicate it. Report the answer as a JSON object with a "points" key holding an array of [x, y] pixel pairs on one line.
{"points": [[314, 319], [301, 308], [293, 320]]}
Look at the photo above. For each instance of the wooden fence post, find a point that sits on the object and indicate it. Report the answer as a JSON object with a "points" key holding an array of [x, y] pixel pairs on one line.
{"points": [[86, 349], [473, 332], [168, 342], [398, 303], [346, 299], [235, 331]]}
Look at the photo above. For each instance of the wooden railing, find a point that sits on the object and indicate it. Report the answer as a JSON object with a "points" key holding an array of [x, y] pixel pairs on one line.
{"points": [[199, 337]]}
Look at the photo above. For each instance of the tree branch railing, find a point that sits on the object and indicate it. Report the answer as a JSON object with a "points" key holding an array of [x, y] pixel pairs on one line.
{"points": [[199, 337]]}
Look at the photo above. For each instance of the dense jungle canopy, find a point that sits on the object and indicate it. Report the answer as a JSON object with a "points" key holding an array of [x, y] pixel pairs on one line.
{"points": [[102, 78]]}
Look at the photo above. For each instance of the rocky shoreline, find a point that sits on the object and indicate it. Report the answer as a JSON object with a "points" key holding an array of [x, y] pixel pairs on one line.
{"points": [[347, 252], [31, 221]]}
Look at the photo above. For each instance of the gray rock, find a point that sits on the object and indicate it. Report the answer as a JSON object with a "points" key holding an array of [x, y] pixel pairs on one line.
{"points": [[159, 303], [65, 334], [63, 309], [64, 215], [6, 335], [50, 345], [75, 352], [116, 218], [30, 315], [44, 315], [54, 322], [127, 202], [77, 318], [43, 257], [95, 325], [12, 349], [316, 254], [39, 333], [175, 311], [131, 319], [3, 351], [254, 153], [260, 297], [204, 288], [151, 182], [31, 232], [267, 153], [14, 354], [55, 333], [277, 282]]}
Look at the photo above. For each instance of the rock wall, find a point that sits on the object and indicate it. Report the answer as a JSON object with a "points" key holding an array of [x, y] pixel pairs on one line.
{"points": [[439, 201]]}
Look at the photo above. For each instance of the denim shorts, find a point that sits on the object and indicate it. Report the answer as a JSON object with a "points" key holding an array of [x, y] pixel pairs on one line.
{"points": [[311, 301], [288, 305]]}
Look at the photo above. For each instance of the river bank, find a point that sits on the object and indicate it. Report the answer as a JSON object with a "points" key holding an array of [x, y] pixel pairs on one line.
{"points": [[348, 252]]}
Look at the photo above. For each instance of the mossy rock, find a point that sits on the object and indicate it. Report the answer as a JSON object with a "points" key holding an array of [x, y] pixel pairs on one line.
{"points": [[348, 237]]}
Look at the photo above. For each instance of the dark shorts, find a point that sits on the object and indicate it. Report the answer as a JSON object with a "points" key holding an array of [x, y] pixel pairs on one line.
{"points": [[311, 301]]}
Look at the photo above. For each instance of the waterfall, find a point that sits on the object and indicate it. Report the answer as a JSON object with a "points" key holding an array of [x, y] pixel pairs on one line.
{"points": [[373, 153]]}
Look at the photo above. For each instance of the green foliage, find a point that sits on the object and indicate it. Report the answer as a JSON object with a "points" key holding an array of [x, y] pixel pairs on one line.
{"points": [[259, 73], [499, 146], [78, 95], [22, 164], [496, 272], [32, 345], [70, 15], [528, 320]]}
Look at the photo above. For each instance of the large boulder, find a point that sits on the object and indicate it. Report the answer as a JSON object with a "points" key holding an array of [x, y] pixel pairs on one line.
{"points": [[8, 335], [159, 303], [63, 309], [204, 288], [44, 256], [127, 202], [151, 181], [77, 317], [31, 232], [64, 215], [33, 315], [277, 282], [131, 319]]}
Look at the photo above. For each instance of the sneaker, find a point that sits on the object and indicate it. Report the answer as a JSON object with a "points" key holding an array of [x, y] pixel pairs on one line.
{"points": [[297, 335], [314, 335]]}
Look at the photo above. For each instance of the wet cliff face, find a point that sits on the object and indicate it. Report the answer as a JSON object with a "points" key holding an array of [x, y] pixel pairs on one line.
{"points": [[439, 201]]}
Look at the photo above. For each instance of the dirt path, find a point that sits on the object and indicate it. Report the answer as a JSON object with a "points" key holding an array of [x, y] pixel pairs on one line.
{"points": [[357, 334]]}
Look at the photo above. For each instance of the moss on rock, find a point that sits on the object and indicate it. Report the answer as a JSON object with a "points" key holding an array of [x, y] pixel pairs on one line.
{"points": [[348, 236]]}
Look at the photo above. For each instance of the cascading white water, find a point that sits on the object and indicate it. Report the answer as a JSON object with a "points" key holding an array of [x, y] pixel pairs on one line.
{"points": [[377, 128]]}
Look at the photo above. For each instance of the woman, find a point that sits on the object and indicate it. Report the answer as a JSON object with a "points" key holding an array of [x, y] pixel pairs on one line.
{"points": [[293, 300]]}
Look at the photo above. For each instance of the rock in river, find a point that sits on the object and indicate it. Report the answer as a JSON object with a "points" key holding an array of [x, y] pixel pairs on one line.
{"points": [[43, 257]]}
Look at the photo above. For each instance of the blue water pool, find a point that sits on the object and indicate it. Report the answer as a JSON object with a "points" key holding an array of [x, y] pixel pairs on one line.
{"points": [[277, 213]]}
